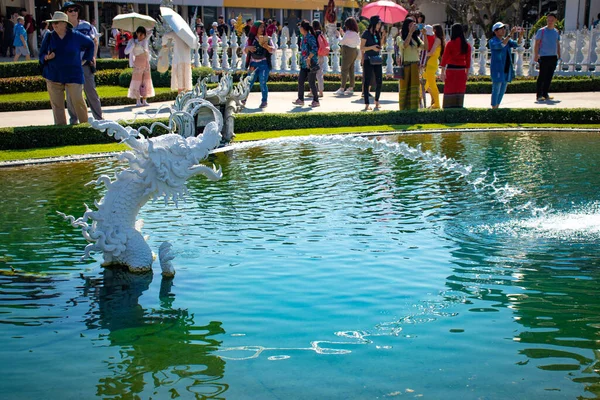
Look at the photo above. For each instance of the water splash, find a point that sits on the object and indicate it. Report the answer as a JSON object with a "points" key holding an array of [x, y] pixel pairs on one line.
{"points": [[579, 224], [482, 182]]}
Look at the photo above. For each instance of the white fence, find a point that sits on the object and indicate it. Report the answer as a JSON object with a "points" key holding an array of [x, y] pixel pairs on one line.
{"points": [[580, 54]]}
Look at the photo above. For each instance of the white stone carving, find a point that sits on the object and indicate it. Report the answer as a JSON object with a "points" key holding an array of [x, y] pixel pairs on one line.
{"points": [[157, 168]]}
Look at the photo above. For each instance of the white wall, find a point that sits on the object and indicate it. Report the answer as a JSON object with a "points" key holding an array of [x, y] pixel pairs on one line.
{"points": [[575, 13]]}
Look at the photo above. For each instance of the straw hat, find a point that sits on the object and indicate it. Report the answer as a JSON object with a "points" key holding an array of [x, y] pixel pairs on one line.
{"points": [[60, 16]]}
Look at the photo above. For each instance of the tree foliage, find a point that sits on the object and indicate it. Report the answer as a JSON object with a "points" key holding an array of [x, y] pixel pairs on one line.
{"points": [[482, 12]]}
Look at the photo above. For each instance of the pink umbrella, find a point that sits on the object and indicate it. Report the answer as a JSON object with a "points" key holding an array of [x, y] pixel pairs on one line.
{"points": [[388, 11]]}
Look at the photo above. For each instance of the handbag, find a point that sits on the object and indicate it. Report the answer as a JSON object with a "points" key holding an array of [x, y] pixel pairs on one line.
{"points": [[399, 72], [376, 60], [112, 42]]}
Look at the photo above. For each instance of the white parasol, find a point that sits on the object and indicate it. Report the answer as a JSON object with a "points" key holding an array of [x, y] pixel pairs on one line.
{"points": [[131, 21], [179, 26]]}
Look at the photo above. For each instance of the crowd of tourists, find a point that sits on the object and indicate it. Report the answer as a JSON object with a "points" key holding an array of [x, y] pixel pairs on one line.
{"points": [[70, 44], [422, 57]]}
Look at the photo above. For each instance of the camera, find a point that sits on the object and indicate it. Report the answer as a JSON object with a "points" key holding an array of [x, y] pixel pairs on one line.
{"points": [[420, 26]]}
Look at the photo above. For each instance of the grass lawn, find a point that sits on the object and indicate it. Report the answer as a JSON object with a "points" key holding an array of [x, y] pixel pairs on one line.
{"points": [[103, 91], [15, 155]]}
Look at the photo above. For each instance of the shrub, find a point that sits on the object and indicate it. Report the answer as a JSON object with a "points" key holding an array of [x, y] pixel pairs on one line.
{"points": [[164, 79], [31, 137], [38, 83], [32, 68], [71, 135], [267, 122]]}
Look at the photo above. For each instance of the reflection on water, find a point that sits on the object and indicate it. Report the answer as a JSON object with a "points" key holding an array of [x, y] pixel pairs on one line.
{"points": [[163, 352], [366, 272]]}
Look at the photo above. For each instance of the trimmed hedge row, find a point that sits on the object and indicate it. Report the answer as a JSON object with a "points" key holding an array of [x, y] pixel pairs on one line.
{"points": [[32, 68], [106, 101], [24, 84], [30, 137], [52, 136], [270, 122], [164, 79], [558, 85]]}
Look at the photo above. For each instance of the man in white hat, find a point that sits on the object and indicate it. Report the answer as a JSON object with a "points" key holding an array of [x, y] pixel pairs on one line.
{"points": [[502, 61], [62, 66], [89, 69]]}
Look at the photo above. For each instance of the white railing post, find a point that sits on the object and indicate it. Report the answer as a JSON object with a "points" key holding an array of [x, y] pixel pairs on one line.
{"points": [[205, 62], [520, 52], [471, 41], [532, 70], [483, 55], [389, 49], [234, 50], [225, 56], [294, 46], [358, 65], [596, 33], [284, 53], [274, 64], [215, 47], [335, 50]]}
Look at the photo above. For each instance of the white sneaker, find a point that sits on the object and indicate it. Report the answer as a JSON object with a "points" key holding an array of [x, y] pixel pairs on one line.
{"points": [[339, 92], [349, 92]]}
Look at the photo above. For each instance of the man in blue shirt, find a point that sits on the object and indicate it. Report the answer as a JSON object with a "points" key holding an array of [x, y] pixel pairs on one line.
{"points": [[89, 87], [547, 53], [20, 40], [62, 66]]}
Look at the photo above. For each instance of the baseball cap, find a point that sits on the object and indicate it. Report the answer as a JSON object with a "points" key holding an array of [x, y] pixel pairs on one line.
{"points": [[497, 26]]}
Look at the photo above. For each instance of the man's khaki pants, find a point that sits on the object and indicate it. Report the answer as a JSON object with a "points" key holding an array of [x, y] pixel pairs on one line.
{"points": [[56, 91]]}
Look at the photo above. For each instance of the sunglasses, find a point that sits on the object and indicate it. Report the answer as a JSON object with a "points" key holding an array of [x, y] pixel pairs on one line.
{"points": [[72, 10]]}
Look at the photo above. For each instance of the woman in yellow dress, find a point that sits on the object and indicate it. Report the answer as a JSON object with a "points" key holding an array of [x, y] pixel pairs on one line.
{"points": [[433, 63]]}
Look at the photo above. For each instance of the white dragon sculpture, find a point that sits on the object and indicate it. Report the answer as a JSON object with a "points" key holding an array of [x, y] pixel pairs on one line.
{"points": [[158, 167]]}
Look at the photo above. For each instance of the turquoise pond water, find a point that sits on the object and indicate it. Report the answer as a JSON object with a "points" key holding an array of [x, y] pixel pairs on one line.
{"points": [[320, 269]]}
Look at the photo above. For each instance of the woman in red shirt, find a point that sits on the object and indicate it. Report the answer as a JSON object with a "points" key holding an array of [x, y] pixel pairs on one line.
{"points": [[455, 64], [122, 39]]}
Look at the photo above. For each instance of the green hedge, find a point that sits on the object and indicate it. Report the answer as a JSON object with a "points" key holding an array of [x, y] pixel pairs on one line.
{"points": [[109, 77], [270, 122], [164, 79], [52, 136], [37, 83], [106, 101], [32, 68]]}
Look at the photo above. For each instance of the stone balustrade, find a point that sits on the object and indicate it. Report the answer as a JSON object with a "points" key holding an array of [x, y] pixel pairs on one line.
{"points": [[580, 54]]}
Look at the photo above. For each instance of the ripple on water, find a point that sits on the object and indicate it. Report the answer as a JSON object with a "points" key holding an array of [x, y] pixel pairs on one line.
{"points": [[341, 257]]}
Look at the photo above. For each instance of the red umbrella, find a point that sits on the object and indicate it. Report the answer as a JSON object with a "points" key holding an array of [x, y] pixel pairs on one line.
{"points": [[388, 11]]}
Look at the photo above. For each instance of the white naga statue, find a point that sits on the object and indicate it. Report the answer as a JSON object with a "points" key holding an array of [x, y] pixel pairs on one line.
{"points": [[227, 96], [157, 167]]}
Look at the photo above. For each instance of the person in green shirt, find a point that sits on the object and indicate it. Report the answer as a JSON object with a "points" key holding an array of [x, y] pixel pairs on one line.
{"points": [[410, 47]]}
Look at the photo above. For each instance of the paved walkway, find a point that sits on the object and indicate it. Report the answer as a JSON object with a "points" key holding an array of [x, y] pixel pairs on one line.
{"points": [[281, 102]]}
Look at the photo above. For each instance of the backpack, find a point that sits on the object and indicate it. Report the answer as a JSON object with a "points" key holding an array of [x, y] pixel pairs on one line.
{"points": [[323, 46]]}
